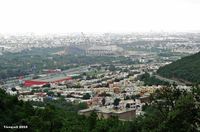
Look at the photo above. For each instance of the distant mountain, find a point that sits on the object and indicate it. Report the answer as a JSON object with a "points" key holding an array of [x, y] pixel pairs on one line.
{"points": [[186, 69]]}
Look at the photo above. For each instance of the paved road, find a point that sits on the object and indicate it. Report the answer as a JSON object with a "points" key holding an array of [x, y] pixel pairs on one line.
{"points": [[76, 70], [171, 81]]}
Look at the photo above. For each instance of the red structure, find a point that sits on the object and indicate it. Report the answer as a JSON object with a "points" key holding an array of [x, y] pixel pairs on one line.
{"points": [[29, 83]]}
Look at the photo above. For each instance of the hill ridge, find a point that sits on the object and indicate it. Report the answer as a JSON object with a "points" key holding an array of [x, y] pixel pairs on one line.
{"points": [[187, 68]]}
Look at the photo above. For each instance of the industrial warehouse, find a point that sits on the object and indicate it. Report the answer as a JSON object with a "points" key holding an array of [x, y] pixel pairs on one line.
{"points": [[49, 78]]}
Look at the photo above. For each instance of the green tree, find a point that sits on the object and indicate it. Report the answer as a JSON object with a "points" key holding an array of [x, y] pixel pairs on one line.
{"points": [[116, 102], [86, 96], [128, 106], [92, 119], [103, 101], [112, 68]]}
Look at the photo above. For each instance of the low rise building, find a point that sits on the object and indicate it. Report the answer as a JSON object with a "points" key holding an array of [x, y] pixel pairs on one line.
{"points": [[105, 113]]}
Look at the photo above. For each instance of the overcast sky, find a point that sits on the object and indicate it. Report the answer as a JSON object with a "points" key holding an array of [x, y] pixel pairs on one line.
{"points": [[61, 16]]}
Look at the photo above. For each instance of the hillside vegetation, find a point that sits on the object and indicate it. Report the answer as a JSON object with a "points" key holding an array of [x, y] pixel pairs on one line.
{"points": [[171, 110], [185, 69]]}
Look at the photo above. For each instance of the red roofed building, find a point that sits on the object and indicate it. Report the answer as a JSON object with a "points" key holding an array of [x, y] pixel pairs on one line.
{"points": [[29, 83]]}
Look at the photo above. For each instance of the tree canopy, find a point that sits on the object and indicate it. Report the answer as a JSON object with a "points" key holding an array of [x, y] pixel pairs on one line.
{"points": [[171, 109]]}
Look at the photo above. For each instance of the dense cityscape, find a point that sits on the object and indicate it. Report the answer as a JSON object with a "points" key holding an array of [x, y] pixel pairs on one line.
{"points": [[172, 42], [113, 75], [99, 66]]}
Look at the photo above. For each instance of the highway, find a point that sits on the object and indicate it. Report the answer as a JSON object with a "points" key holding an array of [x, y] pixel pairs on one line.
{"points": [[171, 81]]}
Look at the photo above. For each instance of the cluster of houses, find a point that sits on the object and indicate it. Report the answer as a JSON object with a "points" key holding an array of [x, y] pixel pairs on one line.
{"points": [[99, 93]]}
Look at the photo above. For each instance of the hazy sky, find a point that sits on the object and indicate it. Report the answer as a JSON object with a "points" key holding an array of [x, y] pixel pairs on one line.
{"points": [[54, 16]]}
